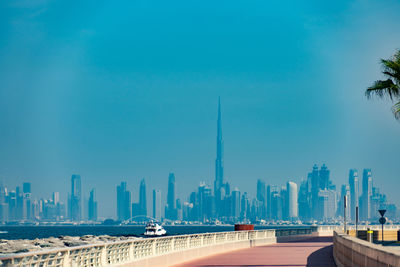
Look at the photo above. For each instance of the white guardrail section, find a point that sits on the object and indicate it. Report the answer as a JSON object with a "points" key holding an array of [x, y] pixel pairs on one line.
{"points": [[331, 228], [121, 252]]}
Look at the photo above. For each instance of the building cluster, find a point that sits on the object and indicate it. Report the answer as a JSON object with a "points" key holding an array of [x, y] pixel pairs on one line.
{"points": [[316, 199], [19, 206]]}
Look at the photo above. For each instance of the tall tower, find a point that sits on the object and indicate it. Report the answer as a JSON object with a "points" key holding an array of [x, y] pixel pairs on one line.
{"points": [[75, 209], [170, 209], [92, 205], [143, 198], [124, 202], [354, 193], [292, 200], [315, 186], [366, 195], [261, 196], [219, 166]]}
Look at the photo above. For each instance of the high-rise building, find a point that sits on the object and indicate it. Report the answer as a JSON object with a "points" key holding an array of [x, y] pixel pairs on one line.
{"points": [[170, 209], [92, 206], [245, 207], [276, 204], [235, 204], [124, 203], [354, 193], [291, 188], [304, 200], [262, 197], [142, 198], [314, 181], [56, 197], [204, 202], [219, 165], [320, 184], [324, 182], [75, 205], [26, 206], [365, 204], [157, 204], [268, 212], [328, 204], [3, 203]]}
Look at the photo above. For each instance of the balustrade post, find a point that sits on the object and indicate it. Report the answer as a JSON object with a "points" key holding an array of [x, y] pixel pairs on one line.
{"points": [[103, 258], [131, 255], [172, 244], [66, 261], [215, 238], [202, 240], [188, 241], [154, 246]]}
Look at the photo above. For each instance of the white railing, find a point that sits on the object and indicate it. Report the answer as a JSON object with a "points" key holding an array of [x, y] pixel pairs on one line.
{"points": [[331, 228], [128, 251]]}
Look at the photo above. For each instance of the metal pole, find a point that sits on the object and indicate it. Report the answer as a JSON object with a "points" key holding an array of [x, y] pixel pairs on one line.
{"points": [[356, 221], [382, 233], [344, 215]]}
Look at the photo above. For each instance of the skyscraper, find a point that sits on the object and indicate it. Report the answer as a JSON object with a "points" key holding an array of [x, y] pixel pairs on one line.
{"points": [[324, 177], [219, 168], [354, 193], [124, 202], [170, 209], [366, 195], [75, 205], [314, 181], [327, 205], [291, 188], [261, 196], [219, 164], [26, 190], [142, 198], [235, 203], [157, 204], [304, 200], [92, 206], [268, 200]]}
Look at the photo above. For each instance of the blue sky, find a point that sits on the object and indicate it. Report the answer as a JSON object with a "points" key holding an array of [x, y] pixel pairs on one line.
{"points": [[124, 90]]}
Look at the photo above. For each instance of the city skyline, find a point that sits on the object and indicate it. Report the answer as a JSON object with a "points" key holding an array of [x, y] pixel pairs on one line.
{"points": [[314, 198]]}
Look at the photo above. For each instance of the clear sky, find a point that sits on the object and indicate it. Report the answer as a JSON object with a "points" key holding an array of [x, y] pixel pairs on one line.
{"points": [[121, 90]]}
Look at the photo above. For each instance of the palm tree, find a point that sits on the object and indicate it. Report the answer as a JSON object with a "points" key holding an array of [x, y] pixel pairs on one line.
{"points": [[391, 86]]}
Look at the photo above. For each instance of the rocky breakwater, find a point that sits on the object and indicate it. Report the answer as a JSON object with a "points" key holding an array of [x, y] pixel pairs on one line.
{"points": [[25, 245]]}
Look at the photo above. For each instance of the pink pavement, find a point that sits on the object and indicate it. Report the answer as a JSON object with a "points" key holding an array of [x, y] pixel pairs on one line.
{"points": [[313, 252]]}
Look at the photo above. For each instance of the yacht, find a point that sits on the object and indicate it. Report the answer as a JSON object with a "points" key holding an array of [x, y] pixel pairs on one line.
{"points": [[154, 229]]}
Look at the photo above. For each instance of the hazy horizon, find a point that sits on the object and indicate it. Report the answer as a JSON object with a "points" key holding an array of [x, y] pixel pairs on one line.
{"points": [[124, 92]]}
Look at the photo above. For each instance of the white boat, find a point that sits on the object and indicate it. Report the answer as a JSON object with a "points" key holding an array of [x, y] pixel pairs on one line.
{"points": [[154, 229]]}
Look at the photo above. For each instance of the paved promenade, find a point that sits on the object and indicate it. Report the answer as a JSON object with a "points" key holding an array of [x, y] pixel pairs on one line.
{"points": [[316, 251]]}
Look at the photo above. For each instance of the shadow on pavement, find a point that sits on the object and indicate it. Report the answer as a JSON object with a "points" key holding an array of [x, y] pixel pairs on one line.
{"points": [[316, 239], [321, 257]]}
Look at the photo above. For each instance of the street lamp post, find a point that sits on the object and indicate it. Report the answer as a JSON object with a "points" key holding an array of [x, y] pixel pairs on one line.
{"points": [[382, 220], [344, 215]]}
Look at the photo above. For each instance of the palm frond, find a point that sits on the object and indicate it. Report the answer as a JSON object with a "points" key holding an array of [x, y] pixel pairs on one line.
{"points": [[383, 88], [396, 110], [391, 68], [396, 56]]}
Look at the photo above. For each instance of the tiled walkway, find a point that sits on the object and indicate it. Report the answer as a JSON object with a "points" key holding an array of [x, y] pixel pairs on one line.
{"points": [[316, 251]]}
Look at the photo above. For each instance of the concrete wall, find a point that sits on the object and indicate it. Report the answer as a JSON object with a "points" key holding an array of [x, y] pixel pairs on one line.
{"points": [[349, 251], [196, 253]]}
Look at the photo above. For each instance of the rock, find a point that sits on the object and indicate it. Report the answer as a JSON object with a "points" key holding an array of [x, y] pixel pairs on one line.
{"points": [[22, 245]]}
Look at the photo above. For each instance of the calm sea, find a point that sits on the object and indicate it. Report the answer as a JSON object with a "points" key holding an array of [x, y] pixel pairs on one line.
{"points": [[32, 232]]}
